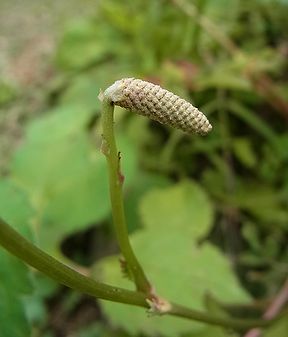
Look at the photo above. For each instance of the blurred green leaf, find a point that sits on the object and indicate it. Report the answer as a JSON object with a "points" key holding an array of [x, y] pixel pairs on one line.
{"points": [[15, 279], [145, 182], [65, 175], [100, 330], [244, 152], [83, 91], [251, 234], [212, 331], [263, 201], [185, 205], [94, 330], [58, 124], [67, 185], [225, 75], [7, 93], [253, 120], [83, 44], [279, 329], [35, 304]]}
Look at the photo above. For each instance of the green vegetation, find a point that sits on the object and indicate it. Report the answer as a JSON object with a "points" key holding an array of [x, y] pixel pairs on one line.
{"points": [[207, 216]]}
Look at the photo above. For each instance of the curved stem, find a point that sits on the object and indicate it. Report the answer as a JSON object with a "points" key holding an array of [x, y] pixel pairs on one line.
{"points": [[35, 257], [115, 183]]}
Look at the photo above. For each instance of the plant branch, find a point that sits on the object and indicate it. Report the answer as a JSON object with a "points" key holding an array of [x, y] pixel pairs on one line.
{"points": [[115, 183], [17, 245]]}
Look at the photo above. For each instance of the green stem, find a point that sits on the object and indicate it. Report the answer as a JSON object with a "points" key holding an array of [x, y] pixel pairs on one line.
{"points": [[235, 323], [115, 184], [35, 257]]}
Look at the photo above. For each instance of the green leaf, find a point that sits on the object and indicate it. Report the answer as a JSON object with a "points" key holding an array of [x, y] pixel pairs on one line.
{"points": [[59, 123], [250, 233], [64, 174], [7, 93], [244, 152], [214, 309], [99, 329], [262, 201], [83, 44], [67, 184], [210, 331], [226, 75], [15, 280], [279, 329], [180, 270], [83, 91], [145, 183], [185, 205], [252, 119]]}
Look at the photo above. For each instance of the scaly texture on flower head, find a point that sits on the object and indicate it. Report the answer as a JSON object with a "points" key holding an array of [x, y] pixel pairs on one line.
{"points": [[158, 104]]}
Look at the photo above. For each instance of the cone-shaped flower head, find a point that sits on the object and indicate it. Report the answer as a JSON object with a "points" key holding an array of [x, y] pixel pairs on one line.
{"points": [[158, 104]]}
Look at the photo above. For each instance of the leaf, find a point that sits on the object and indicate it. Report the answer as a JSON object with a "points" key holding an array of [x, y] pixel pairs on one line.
{"points": [[99, 329], [210, 331], [57, 124], [250, 233], [64, 174], [253, 120], [15, 280], [183, 205], [262, 201], [83, 91], [226, 75], [244, 152], [7, 93], [279, 329], [83, 44], [180, 270], [145, 182], [215, 10], [67, 186]]}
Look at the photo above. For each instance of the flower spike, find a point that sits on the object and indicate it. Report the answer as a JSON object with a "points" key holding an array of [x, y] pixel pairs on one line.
{"points": [[161, 105]]}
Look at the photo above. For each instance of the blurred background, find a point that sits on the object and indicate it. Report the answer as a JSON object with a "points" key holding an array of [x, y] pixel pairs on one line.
{"points": [[208, 216]]}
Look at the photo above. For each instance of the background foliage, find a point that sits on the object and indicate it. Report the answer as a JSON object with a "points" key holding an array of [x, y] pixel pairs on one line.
{"points": [[208, 216]]}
